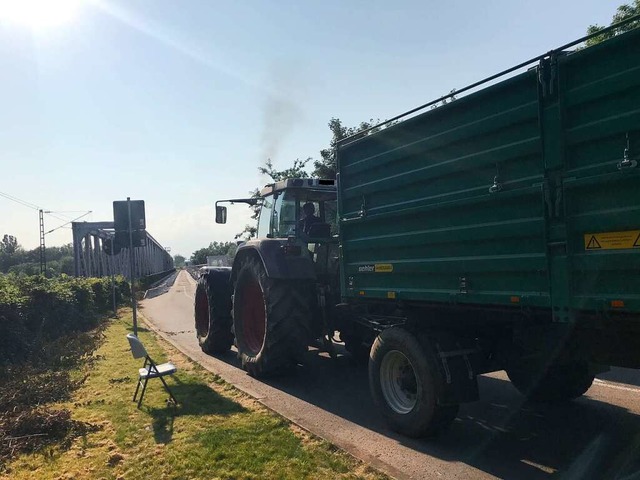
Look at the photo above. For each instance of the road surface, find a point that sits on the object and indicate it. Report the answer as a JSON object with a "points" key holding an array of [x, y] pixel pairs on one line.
{"points": [[501, 436]]}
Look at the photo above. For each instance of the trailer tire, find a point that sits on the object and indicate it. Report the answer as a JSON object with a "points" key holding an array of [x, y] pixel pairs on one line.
{"points": [[405, 383], [213, 312], [271, 320], [555, 383]]}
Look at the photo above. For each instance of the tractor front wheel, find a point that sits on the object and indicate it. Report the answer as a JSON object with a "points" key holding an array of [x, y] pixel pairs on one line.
{"points": [[271, 320], [213, 312]]}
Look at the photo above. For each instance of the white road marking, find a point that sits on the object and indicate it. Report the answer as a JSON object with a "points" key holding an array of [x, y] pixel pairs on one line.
{"points": [[603, 383], [184, 291]]}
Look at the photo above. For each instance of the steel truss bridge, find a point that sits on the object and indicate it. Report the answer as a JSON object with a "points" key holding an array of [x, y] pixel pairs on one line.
{"points": [[90, 259]]}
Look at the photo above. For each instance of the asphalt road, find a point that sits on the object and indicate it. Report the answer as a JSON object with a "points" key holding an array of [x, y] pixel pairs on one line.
{"points": [[501, 436]]}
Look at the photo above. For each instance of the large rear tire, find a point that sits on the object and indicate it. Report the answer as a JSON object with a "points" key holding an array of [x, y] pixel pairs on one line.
{"points": [[213, 312], [271, 320], [405, 382], [552, 383]]}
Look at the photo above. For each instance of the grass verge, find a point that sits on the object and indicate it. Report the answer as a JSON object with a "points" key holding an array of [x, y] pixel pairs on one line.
{"points": [[215, 432]]}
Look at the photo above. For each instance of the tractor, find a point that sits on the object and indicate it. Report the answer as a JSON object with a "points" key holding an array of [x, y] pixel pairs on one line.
{"points": [[280, 294]]}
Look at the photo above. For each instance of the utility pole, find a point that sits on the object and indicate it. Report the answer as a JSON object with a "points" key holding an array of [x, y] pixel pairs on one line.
{"points": [[43, 253], [43, 250]]}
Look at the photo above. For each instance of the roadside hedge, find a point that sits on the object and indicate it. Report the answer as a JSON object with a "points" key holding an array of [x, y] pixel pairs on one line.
{"points": [[35, 311]]}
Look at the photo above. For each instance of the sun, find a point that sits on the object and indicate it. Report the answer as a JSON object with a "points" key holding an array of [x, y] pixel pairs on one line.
{"points": [[38, 14]]}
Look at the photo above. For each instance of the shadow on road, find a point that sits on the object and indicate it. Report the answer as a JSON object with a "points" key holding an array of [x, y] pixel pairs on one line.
{"points": [[501, 434]]}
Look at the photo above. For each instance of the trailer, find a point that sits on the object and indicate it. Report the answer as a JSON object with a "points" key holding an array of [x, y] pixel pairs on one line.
{"points": [[498, 231]]}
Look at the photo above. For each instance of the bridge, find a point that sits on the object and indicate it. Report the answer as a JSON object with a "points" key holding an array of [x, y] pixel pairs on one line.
{"points": [[91, 240]]}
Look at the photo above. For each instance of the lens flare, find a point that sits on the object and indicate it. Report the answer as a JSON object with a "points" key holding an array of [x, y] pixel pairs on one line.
{"points": [[38, 14]]}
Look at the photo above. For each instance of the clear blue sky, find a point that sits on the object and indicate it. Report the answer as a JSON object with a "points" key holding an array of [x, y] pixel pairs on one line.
{"points": [[178, 102]]}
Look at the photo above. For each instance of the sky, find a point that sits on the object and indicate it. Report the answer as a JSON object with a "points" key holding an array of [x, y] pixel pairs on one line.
{"points": [[177, 103]]}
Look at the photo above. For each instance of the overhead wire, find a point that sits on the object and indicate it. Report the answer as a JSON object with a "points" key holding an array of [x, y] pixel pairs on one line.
{"points": [[24, 203], [65, 224], [55, 215]]}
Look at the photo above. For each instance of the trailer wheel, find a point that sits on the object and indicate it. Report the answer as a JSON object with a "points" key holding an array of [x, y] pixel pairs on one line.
{"points": [[404, 382], [271, 320], [213, 312], [555, 383]]}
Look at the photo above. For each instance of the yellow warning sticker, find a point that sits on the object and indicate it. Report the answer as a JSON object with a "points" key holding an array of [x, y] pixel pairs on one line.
{"points": [[383, 267], [612, 240]]}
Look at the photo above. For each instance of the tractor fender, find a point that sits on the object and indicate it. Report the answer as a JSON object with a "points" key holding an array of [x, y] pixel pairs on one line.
{"points": [[218, 277], [276, 263]]}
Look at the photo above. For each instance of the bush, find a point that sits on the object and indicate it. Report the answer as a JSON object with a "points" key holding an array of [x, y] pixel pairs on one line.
{"points": [[35, 311], [46, 327]]}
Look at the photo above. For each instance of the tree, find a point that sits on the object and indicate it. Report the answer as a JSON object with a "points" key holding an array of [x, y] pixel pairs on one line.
{"points": [[326, 167], [296, 171], [13, 258], [622, 13], [11, 253], [199, 257], [178, 261], [9, 244]]}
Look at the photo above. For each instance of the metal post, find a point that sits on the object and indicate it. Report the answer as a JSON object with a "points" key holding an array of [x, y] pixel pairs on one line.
{"points": [[113, 281], [43, 251], [131, 262]]}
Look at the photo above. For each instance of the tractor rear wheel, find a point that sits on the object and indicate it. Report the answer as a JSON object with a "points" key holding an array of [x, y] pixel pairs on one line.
{"points": [[213, 312], [404, 381], [271, 320]]}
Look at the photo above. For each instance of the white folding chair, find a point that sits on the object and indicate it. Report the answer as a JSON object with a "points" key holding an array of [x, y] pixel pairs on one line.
{"points": [[150, 369]]}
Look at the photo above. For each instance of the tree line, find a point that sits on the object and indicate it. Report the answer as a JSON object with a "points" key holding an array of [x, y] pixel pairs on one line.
{"points": [[15, 259]]}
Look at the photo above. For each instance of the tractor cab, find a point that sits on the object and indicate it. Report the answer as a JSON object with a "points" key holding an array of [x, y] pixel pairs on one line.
{"points": [[299, 214], [304, 208], [298, 208]]}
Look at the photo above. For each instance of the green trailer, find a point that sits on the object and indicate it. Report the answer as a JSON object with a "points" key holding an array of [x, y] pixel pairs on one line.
{"points": [[499, 231]]}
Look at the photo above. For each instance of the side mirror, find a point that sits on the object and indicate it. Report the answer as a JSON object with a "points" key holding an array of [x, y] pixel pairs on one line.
{"points": [[221, 214]]}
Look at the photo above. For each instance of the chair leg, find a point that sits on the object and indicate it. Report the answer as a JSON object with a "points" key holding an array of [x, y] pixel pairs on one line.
{"points": [[137, 388], [169, 391], [144, 387]]}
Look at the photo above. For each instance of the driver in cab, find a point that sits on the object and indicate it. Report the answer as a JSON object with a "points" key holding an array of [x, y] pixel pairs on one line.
{"points": [[310, 218]]}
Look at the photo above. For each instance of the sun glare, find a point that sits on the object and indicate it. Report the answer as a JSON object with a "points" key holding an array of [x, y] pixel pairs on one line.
{"points": [[38, 14]]}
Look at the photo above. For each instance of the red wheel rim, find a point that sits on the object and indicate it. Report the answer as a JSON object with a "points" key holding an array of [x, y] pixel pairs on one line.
{"points": [[202, 314], [253, 317]]}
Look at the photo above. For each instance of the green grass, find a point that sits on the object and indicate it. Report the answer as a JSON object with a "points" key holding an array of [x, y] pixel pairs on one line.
{"points": [[215, 432]]}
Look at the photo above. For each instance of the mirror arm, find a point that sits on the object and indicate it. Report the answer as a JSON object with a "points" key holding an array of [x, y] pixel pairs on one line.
{"points": [[248, 201]]}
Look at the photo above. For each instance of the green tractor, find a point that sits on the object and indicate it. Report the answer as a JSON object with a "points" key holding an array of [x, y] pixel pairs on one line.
{"points": [[278, 296]]}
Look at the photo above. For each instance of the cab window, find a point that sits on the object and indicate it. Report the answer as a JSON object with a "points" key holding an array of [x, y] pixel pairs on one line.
{"points": [[284, 220], [264, 223]]}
